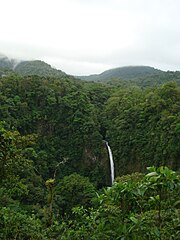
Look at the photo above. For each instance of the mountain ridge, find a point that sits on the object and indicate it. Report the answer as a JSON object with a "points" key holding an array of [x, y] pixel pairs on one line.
{"points": [[142, 76], [39, 67], [126, 72], [29, 67]]}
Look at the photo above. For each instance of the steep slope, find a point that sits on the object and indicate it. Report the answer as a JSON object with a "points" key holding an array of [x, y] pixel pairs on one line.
{"points": [[5, 62], [24, 68], [6, 65], [128, 72], [37, 67], [62, 112]]}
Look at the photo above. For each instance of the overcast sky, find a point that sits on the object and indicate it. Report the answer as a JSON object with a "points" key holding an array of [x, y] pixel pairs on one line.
{"points": [[90, 36]]}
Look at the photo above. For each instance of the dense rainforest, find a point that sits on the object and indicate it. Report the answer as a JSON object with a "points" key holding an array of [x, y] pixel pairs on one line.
{"points": [[54, 165]]}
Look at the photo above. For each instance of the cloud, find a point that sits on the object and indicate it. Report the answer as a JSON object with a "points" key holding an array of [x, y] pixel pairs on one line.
{"points": [[81, 36]]}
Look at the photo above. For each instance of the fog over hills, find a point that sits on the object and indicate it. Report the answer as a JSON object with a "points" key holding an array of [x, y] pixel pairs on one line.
{"points": [[24, 67], [9, 63], [142, 76], [38, 67]]}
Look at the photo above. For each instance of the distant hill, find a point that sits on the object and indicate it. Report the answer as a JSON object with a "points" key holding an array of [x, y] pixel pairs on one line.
{"points": [[142, 76], [146, 81], [24, 68], [37, 67], [124, 73], [7, 63]]}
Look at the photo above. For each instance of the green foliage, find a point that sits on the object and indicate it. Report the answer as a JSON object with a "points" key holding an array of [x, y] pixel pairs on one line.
{"points": [[144, 82], [37, 67], [72, 191], [141, 76], [27, 68], [136, 177], [19, 183], [49, 211], [125, 73], [135, 207], [124, 210], [53, 129], [12, 160], [18, 225], [142, 127], [60, 112]]}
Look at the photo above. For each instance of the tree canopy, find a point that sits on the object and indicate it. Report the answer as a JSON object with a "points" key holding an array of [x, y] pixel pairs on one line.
{"points": [[54, 165]]}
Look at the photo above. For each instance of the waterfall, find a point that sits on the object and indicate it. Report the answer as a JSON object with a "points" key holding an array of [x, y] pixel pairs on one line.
{"points": [[111, 162]]}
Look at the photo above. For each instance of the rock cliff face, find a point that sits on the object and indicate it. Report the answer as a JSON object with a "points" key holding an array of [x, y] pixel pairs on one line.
{"points": [[98, 165]]}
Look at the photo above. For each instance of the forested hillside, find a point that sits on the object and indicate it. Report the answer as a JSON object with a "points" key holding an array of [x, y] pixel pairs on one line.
{"points": [[142, 76], [5, 62], [125, 73], [28, 68], [37, 67], [146, 81], [143, 127], [54, 165]]}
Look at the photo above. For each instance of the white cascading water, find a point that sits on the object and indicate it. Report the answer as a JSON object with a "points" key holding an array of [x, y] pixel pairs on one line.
{"points": [[111, 162]]}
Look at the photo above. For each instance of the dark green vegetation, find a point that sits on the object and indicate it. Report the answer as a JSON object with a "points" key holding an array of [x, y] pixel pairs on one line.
{"points": [[6, 63], [54, 167], [37, 67], [141, 76], [143, 127], [25, 68], [126, 73]]}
